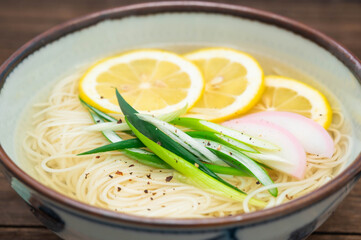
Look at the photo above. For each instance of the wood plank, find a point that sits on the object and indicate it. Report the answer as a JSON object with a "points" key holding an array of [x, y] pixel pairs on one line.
{"points": [[334, 237], [14, 211], [42, 233], [347, 217], [22, 20], [27, 234]]}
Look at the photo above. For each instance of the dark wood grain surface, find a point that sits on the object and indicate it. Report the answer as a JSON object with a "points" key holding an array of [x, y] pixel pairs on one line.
{"points": [[21, 20]]}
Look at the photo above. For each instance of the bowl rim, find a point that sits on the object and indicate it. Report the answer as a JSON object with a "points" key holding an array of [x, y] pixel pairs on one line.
{"points": [[346, 57]]}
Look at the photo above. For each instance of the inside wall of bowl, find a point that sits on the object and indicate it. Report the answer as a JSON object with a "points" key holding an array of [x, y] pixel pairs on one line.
{"points": [[79, 49]]}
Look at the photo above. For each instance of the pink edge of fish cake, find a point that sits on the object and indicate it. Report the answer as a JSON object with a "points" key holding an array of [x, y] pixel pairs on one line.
{"points": [[291, 149], [314, 138]]}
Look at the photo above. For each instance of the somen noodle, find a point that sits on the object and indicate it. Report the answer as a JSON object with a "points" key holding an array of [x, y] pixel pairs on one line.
{"points": [[113, 181]]}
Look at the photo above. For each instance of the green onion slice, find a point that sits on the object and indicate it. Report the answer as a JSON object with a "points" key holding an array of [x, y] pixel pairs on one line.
{"points": [[114, 126], [183, 139], [203, 125], [192, 172], [227, 141], [162, 139], [240, 161]]}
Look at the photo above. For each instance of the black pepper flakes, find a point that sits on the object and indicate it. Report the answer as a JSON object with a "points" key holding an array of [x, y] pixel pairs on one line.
{"points": [[98, 121], [110, 176], [159, 143], [86, 175], [119, 121], [154, 193], [148, 183], [289, 197], [151, 198], [148, 176], [131, 165], [149, 209], [97, 157], [119, 189], [145, 191], [101, 97], [169, 178], [208, 144], [257, 182]]}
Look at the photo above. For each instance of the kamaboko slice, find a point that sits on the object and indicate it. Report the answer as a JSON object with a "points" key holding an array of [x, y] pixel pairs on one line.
{"points": [[290, 159], [313, 137]]}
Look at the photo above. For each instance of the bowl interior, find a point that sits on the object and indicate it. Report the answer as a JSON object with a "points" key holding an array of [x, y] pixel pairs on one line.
{"points": [[76, 51]]}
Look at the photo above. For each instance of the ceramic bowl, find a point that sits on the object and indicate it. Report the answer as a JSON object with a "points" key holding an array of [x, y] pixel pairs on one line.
{"points": [[78, 42]]}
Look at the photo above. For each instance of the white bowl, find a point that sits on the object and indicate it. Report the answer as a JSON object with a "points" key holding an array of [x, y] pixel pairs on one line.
{"points": [[73, 45]]}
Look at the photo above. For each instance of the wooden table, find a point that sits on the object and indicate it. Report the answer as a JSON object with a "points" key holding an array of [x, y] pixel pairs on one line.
{"points": [[21, 20]]}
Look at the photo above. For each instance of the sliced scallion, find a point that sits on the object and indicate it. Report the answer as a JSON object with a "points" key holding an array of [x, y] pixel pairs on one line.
{"points": [[162, 139], [150, 159], [240, 161], [203, 125], [192, 172], [115, 126], [97, 111], [183, 139], [141, 155], [227, 141]]}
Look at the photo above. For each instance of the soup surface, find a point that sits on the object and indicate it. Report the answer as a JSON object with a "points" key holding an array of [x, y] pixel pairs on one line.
{"points": [[56, 131]]}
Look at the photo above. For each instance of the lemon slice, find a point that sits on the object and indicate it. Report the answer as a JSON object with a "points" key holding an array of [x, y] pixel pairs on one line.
{"points": [[149, 80], [286, 94], [234, 83]]}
